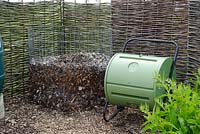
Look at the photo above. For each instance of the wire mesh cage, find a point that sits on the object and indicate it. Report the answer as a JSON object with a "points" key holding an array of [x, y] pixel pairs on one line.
{"points": [[68, 62], [51, 41]]}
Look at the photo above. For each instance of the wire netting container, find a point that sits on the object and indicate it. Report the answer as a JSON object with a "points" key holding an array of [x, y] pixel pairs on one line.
{"points": [[67, 65], [52, 41]]}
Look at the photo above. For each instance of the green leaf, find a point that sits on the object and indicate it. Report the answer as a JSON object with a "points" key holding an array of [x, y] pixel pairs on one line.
{"points": [[182, 125], [180, 114], [192, 121], [195, 130]]}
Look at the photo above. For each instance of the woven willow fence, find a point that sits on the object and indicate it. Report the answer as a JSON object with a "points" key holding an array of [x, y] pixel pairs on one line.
{"points": [[177, 20], [17, 19], [194, 36]]}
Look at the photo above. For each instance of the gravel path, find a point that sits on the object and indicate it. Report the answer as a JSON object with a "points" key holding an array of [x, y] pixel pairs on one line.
{"points": [[27, 118]]}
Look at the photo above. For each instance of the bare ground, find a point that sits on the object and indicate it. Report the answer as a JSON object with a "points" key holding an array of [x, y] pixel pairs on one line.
{"points": [[24, 117]]}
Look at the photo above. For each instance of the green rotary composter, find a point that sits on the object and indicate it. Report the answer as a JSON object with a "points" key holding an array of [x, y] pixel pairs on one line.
{"points": [[129, 78], [2, 110]]}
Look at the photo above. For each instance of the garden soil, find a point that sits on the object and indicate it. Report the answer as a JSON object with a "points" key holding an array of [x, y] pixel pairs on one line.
{"points": [[24, 117]]}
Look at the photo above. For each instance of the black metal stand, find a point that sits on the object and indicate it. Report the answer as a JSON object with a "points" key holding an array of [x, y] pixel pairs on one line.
{"points": [[119, 109]]}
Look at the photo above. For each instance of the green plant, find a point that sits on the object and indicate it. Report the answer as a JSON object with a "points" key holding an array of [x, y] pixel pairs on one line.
{"points": [[180, 114]]}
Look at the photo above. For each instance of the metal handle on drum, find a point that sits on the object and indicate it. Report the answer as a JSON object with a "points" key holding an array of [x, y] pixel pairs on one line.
{"points": [[157, 41]]}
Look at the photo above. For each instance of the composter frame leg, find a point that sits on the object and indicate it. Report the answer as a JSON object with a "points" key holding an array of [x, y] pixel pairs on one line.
{"points": [[119, 109]]}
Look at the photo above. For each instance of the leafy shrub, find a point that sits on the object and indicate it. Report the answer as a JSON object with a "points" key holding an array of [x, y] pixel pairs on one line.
{"points": [[180, 114]]}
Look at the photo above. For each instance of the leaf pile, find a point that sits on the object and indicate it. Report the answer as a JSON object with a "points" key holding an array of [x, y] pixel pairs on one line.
{"points": [[71, 82]]}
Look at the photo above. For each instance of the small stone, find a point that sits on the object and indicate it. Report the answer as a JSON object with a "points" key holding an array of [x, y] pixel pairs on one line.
{"points": [[80, 88], [13, 121], [50, 96]]}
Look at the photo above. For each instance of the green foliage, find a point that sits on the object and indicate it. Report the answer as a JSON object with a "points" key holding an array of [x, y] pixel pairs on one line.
{"points": [[180, 114]]}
